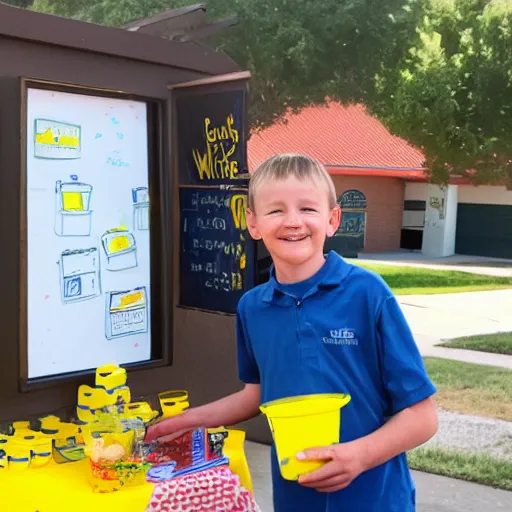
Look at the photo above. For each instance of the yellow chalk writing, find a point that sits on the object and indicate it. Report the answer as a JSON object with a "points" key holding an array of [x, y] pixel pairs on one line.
{"points": [[215, 161], [238, 206], [236, 281]]}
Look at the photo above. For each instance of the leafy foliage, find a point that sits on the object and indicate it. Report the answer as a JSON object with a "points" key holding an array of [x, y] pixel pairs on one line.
{"points": [[107, 12], [436, 72], [19, 3], [452, 93]]}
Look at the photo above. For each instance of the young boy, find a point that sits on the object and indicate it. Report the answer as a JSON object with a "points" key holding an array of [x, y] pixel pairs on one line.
{"points": [[321, 325]]}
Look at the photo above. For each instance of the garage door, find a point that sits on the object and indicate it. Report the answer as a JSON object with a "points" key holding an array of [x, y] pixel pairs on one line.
{"points": [[484, 230]]}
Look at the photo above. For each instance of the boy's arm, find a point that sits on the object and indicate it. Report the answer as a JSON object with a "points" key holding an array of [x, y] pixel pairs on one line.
{"points": [[407, 429], [403, 432], [229, 410]]}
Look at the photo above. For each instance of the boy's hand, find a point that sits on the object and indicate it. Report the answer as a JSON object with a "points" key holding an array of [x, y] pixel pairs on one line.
{"points": [[345, 464], [165, 430]]}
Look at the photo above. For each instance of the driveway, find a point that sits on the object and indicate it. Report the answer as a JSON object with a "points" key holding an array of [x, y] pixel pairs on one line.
{"points": [[453, 315], [472, 264], [434, 318]]}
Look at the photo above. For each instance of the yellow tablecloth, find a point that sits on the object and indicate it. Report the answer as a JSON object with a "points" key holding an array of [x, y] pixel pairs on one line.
{"points": [[65, 488]]}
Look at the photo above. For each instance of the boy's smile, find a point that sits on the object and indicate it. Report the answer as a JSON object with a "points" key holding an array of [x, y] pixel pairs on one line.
{"points": [[293, 218], [297, 238]]}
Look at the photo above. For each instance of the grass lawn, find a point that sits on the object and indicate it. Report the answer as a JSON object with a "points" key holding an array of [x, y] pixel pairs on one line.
{"points": [[423, 281], [472, 388], [499, 343], [482, 469]]}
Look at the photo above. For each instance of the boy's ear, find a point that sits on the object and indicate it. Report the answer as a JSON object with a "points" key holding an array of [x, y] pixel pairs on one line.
{"points": [[334, 221], [251, 224]]}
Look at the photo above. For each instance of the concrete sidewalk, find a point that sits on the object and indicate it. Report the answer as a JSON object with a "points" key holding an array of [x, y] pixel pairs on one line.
{"points": [[434, 493], [428, 348], [472, 264], [435, 318], [441, 317]]}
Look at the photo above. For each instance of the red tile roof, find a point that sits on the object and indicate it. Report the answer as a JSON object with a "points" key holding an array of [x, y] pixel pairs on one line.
{"points": [[337, 136]]}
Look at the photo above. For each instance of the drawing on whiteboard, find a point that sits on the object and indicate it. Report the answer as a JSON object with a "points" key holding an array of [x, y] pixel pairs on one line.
{"points": [[56, 140], [70, 205], [115, 159], [79, 275], [126, 313], [120, 249], [140, 198], [73, 209]]}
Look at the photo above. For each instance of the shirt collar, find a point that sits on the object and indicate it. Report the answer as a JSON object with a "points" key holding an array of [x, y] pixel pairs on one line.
{"points": [[336, 271]]}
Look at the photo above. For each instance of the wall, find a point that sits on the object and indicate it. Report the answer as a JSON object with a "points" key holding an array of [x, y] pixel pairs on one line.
{"points": [[205, 362], [32, 60], [385, 200], [204, 344], [21, 58], [467, 233], [482, 194], [485, 194], [440, 221], [415, 191]]}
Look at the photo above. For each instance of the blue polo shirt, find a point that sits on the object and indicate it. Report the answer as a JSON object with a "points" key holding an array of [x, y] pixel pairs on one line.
{"points": [[341, 331]]}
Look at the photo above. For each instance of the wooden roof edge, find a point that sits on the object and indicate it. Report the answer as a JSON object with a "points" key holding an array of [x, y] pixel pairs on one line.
{"points": [[17, 23]]}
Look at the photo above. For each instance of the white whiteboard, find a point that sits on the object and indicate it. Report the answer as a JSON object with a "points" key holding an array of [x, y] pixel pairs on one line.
{"points": [[88, 232]]}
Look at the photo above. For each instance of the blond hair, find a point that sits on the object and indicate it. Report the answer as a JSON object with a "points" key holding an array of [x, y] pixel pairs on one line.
{"points": [[282, 166]]}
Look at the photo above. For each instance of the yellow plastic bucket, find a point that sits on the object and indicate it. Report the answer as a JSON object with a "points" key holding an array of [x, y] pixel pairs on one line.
{"points": [[173, 402], [303, 422], [235, 452]]}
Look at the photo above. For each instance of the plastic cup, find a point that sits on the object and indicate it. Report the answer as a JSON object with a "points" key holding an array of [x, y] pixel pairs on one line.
{"points": [[303, 422], [173, 402]]}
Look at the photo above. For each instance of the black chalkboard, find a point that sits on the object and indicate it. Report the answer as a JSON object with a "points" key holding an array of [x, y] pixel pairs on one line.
{"points": [[211, 138], [217, 254]]}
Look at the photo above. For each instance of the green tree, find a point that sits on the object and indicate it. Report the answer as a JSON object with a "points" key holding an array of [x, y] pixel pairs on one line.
{"points": [[436, 72], [452, 93], [107, 12], [19, 3], [299, 51]]}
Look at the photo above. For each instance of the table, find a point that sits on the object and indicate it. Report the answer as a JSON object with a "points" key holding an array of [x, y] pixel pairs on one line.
{"points": [[65, 488]]}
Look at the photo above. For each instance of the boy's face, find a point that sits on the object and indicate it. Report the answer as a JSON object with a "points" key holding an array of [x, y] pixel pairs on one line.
{"points": [[293, 218]]}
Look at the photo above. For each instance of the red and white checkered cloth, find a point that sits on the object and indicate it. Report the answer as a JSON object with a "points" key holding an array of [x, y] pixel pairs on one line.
{"points": [[213, 490]]}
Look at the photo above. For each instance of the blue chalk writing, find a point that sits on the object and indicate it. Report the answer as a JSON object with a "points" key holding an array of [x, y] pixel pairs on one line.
{"points": [[116, 160]]}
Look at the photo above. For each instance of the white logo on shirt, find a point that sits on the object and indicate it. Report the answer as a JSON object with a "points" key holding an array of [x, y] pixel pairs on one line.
{"points": [[343, 336]]}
